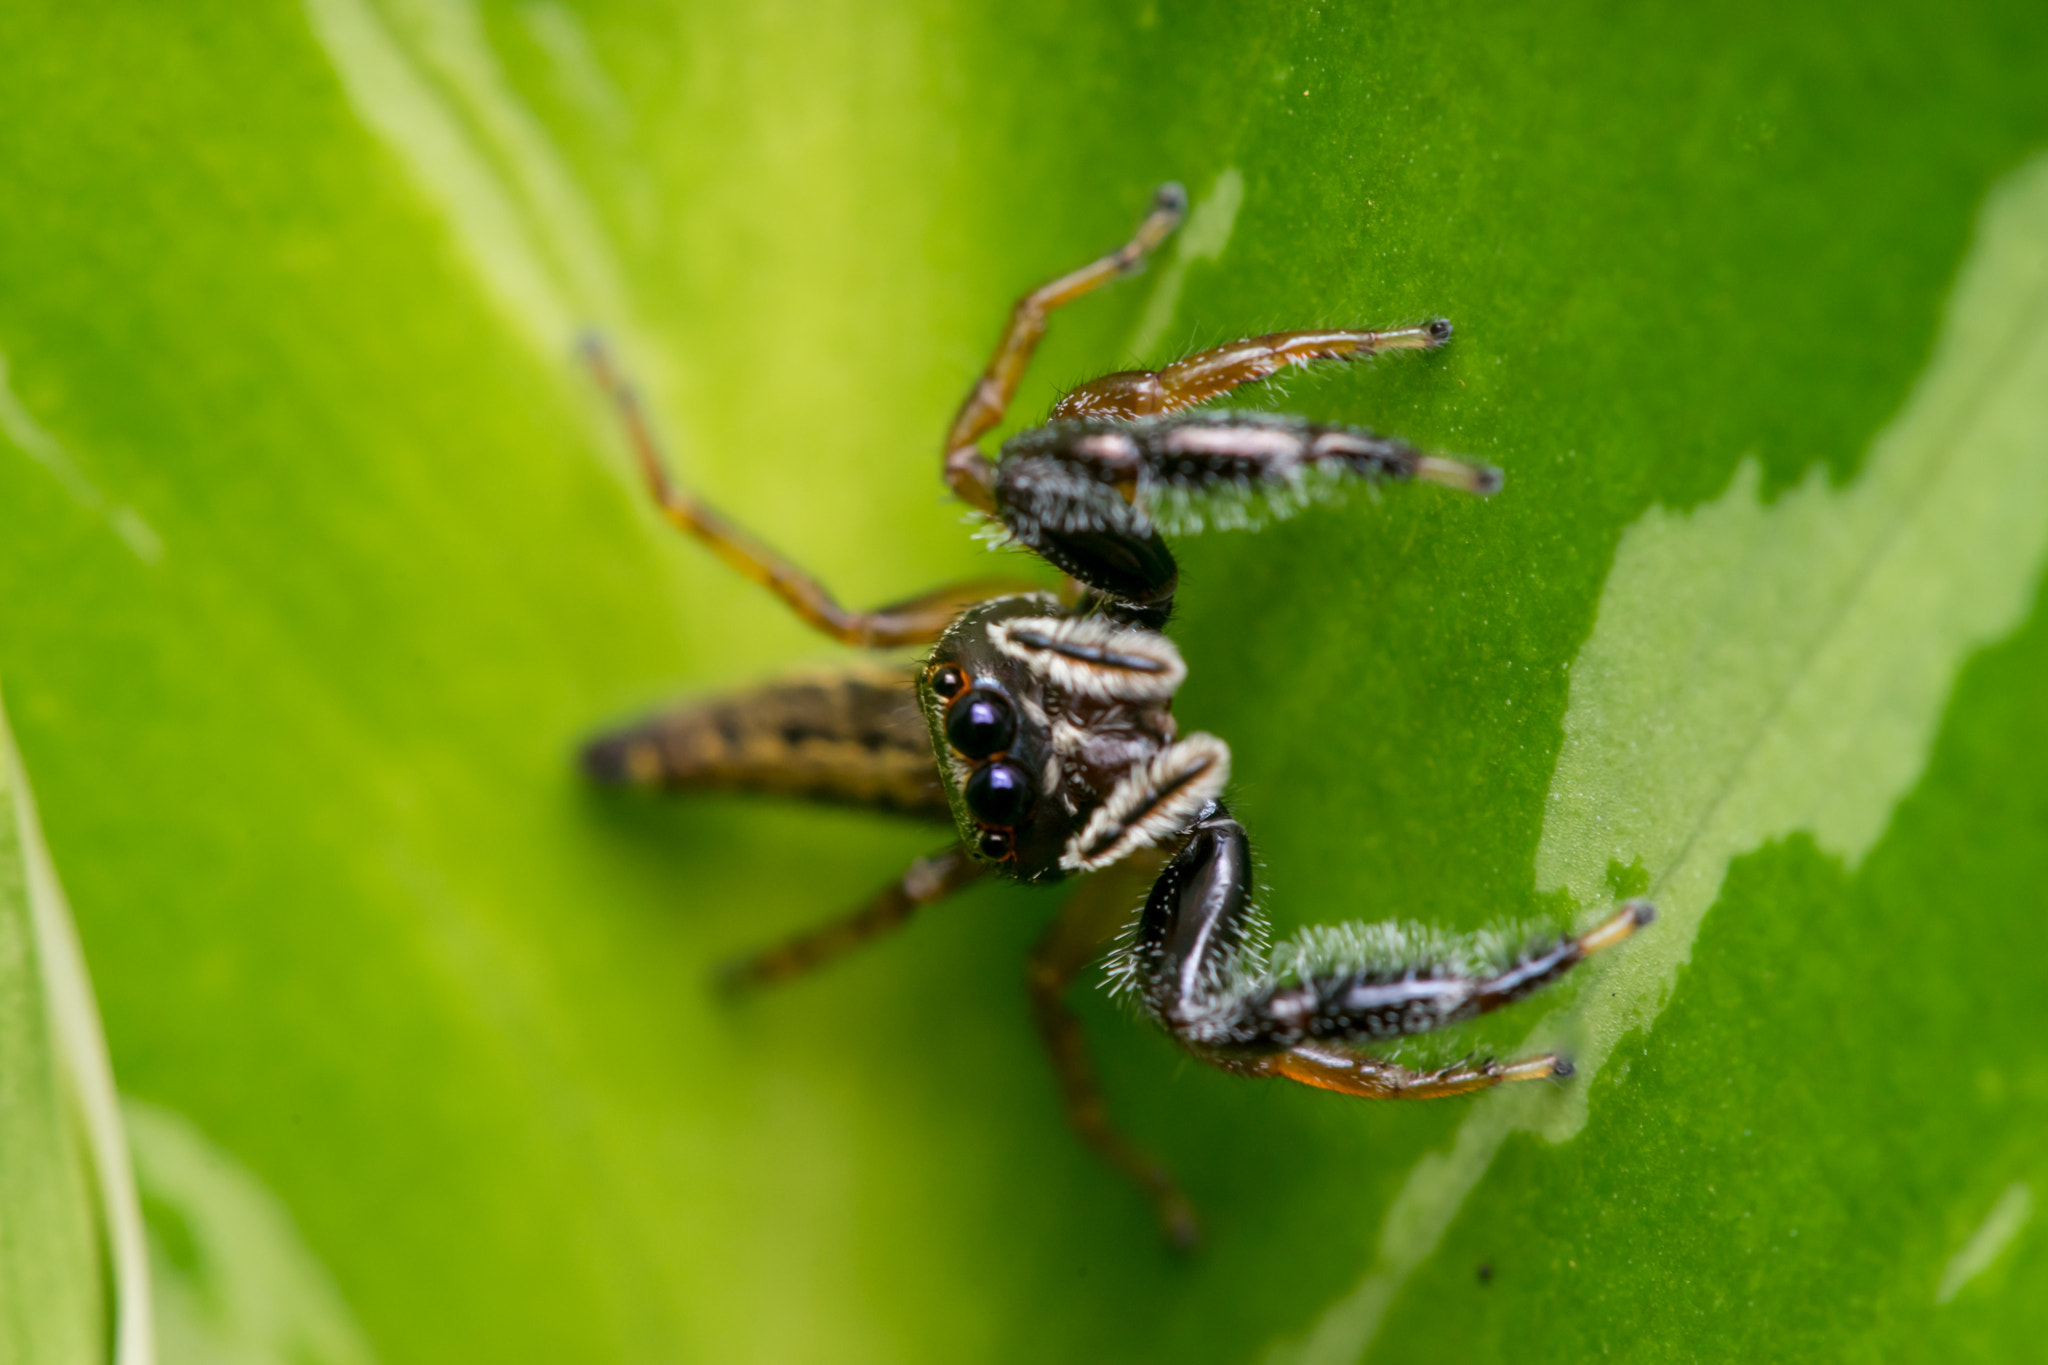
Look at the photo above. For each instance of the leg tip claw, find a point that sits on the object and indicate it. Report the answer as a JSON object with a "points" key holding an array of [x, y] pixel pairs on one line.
{"points": [[1632, 916], [1172, 197], [1463, 475], [1561, 1067], [1439, 331]]}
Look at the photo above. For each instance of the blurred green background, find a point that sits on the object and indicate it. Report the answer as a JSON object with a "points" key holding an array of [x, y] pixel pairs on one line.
{"points": [[318, 556]]}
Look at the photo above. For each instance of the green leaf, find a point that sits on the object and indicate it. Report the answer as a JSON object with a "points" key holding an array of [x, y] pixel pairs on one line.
{"points": [[52, 1304], [74, 1284], [320, 556], [233, 1281], [1759, 671]]}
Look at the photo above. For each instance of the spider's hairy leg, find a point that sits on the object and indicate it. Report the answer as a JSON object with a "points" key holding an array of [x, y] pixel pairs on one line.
{"points": [[1215, 372], [1092, 496], [917, 621], [1089, 922], [927, 881], [1195, 965], [1350, 1073], [968, 471], [849, 738]]}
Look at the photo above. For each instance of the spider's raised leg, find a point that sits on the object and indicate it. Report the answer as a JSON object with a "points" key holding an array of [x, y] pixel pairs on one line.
{"points": [[968, 471], [927, 880], [1196, 965], [1212, 373], [851, 738], [1090, 921], [916, 621], [1090, 496]]}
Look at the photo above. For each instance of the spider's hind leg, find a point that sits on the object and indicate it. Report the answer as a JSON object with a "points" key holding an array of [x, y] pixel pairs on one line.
{"points": [[852, 738]]}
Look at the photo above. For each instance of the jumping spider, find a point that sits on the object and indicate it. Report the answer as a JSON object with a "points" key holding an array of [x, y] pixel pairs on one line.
{"points": [[1057, 751]]}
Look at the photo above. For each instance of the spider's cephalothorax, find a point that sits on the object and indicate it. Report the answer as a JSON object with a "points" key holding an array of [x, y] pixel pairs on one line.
{"points": [[1055, 737], [1042, 725]]}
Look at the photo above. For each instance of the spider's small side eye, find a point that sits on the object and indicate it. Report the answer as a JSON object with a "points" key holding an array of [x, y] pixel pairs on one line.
{"points": [[981, 724], [948, 681], [998, 794], [996, 844]]}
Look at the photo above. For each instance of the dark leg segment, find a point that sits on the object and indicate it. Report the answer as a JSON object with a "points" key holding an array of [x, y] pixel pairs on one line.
{"points": [[968, 471], [928, 880], [1213, 373], [854, 738], [1095, 913], [915, 622], [1193, 964]]}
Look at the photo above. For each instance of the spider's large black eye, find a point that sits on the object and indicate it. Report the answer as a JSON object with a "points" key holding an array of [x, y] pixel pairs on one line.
{"points": [[947, 680], [980, 724], [998, 794]]}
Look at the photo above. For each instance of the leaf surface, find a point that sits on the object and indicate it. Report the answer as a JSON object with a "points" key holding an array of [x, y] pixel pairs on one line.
{"points": [[320, 557]]}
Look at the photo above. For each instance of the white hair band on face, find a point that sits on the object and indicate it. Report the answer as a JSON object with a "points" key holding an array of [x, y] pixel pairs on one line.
{"points": [[1089, 656], [1152, 803]]}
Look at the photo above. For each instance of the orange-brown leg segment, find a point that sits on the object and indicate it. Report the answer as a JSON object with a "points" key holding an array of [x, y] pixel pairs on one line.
{"points": [[919, 620], [968, 471], [1349, 1073], [1213, 373], [1098, 909], [928, 880]]}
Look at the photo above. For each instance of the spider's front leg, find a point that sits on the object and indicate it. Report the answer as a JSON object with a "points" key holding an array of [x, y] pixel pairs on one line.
{"points": [[1196, 964], [1092, 496], [1196, 379]]}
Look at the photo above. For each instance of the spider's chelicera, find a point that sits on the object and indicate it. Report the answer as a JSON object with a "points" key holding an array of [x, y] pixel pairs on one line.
{"points": [[1042, 725]]}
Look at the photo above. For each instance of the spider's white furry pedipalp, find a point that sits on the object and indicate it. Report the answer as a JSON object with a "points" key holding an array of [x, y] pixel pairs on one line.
{"points": [[1152, 803], [1089, 656]]}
